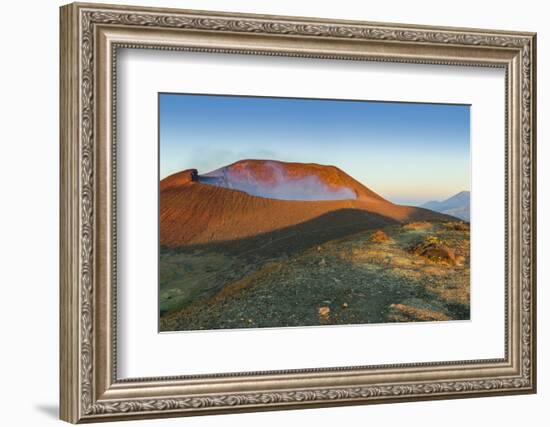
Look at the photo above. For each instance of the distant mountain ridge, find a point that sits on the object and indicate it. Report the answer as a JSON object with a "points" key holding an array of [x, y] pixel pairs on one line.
{"points": [[457, 206]]}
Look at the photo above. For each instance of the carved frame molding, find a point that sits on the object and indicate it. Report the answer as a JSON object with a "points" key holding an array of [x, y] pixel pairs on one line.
{"points": [[90, 390]]}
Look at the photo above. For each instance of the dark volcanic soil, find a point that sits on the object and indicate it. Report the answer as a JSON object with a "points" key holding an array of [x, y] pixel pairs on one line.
{"points": [[270, 281]]}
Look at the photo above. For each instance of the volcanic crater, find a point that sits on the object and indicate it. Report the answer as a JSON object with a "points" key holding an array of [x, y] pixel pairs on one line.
{"points": [[264, 243], [252, 197]]}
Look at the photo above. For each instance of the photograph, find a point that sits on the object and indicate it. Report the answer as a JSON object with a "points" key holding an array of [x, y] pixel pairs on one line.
{"points": [[293, 212]]}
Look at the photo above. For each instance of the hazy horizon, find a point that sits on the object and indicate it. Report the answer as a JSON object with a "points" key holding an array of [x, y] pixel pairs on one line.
{"points": [[409, 153]]}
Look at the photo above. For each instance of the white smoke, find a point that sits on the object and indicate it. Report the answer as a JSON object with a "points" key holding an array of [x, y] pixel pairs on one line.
{"points": [[279, 186]]}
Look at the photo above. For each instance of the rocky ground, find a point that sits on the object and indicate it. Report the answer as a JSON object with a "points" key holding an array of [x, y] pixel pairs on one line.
{"points": [[414, 272]]}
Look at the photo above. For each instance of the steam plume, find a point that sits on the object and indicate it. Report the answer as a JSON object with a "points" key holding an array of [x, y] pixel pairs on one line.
{"points": [[274, 182]]}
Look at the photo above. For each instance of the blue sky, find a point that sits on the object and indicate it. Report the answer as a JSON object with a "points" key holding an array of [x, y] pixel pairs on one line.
{"points": [[407, 152]]}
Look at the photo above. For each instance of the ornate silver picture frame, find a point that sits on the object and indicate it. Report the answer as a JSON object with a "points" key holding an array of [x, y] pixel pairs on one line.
{"points": [[91, 36]]}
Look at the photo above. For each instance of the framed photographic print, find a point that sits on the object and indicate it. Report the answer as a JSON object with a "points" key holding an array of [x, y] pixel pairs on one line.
{"points": [[266, 212]]}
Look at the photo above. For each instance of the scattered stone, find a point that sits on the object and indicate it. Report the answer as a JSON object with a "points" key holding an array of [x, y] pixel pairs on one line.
{"points": [[435, 251], [458, 226], [408, 313], [324, 311], [345, 305], [459, 261], [422, 225], [380, 237]]}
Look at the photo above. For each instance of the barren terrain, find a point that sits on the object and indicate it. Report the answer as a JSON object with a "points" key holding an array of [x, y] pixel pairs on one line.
{"points": [[356, 279], [235, 255]]}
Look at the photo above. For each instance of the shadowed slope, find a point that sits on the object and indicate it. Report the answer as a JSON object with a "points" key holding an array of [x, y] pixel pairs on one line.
{"points": [[296, 238]]}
